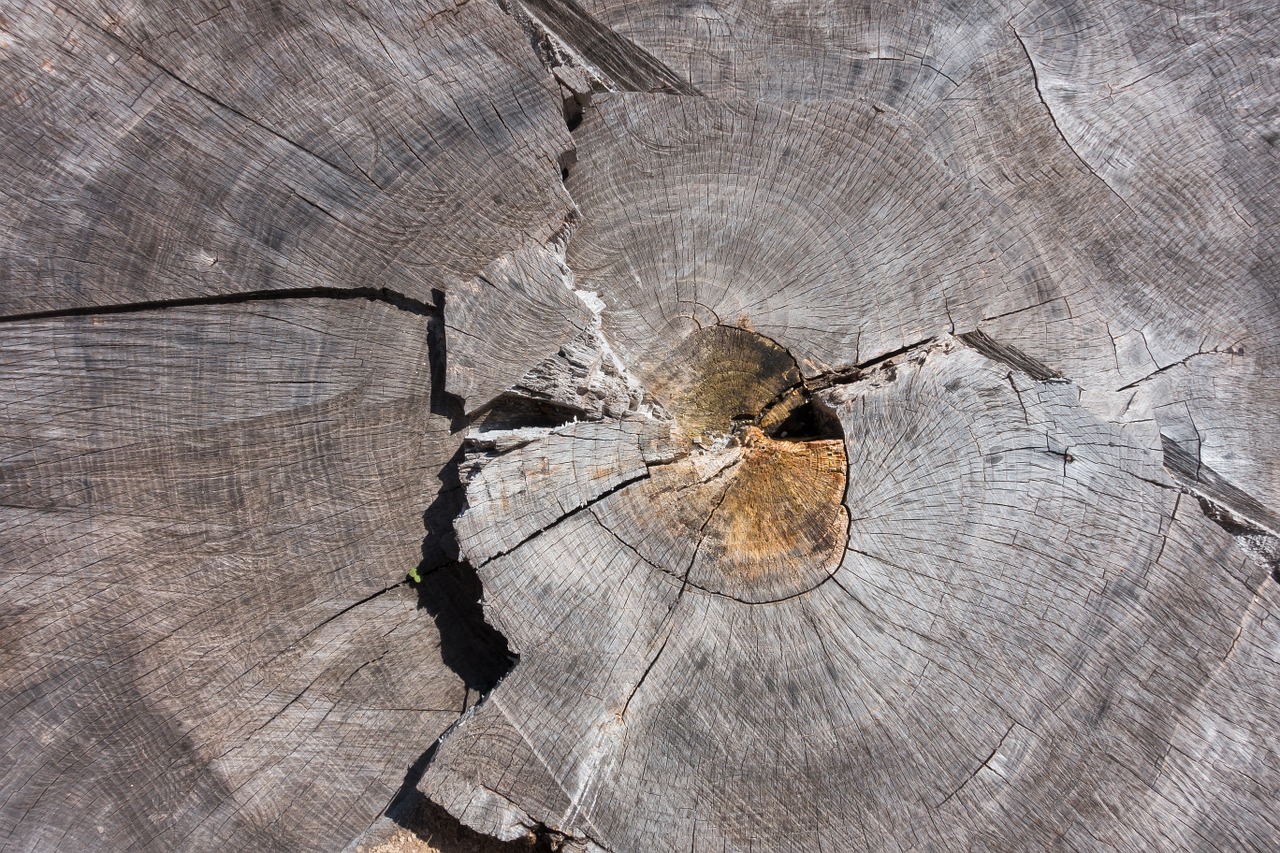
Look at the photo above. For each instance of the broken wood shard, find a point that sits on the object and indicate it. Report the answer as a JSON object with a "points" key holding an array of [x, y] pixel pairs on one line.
{"points": [[529, 293]]}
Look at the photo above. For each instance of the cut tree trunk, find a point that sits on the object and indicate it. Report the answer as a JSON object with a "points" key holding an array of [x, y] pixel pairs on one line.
{"points": [[640, 427]]}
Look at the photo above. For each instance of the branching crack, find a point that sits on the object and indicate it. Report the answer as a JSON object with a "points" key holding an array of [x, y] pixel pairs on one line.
{"points": [[900, 351], [1231, 351], [566, 516], [1021, 404], [986, 762]]}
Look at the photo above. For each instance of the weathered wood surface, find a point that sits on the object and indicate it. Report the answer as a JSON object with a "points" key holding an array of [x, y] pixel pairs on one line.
{"points": [[206, 514], [158, 151], [527, 295], [209, 510], [860, 422], [1023, 621], [1016, 648]]}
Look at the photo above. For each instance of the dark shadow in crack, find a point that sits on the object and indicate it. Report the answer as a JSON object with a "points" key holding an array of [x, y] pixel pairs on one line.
{"points": [[513, 410], [469, 645], [808, 422], [450, 591], [443, 832], [442, 402], [440, 547], [408, 799]]}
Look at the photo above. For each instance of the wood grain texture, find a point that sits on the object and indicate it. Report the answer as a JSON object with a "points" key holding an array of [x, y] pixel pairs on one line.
{"points": [[158, 151], [207, 515], [1112, 161], [528, 295], [859, 420], [1022, 621]]}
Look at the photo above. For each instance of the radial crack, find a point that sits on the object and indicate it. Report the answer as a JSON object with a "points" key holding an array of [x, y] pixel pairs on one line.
{"points": [[1232, 507], [1229, 351], [372, 294]]}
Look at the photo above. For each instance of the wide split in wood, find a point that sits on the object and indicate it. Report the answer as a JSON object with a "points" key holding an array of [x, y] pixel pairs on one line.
{"points": [[728, 594]]}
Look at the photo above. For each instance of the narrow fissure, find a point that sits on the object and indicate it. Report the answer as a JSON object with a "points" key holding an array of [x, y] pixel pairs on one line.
{"points": [[372, 294], [1035, 82]]}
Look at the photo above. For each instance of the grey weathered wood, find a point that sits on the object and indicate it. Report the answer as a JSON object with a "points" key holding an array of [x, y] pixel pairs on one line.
{"points": [[209, 512], [1023, 620], [1089, 183], [871, 442], [716, 212], [528, 296], [157, 151], [207, 515]]}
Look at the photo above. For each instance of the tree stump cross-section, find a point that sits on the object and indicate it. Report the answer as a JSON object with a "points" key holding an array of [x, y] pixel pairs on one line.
{"points": [[572, 424]]}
